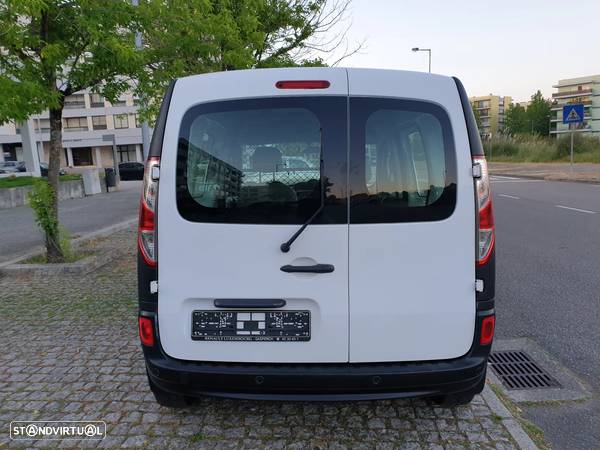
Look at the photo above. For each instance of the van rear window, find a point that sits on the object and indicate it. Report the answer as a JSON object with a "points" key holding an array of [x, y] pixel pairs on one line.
{"points": [[402, 152], [252, 161]]}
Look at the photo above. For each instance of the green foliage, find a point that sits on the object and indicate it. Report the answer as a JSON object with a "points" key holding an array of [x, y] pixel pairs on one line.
{"points": [[42, 199], [56, 47], [65, 245], [528, 148], [14, 181], [538, 113], [533, 120], [515, 120], [200, 36]]}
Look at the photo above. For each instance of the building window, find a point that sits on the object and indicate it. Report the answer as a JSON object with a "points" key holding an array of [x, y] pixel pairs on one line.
{"points": [[76, 124], [42, 125], [119, 102], [82, 156], [137, 121], [96, 101], [99, 122], [121, 121], [74, 101], [127, 153]]}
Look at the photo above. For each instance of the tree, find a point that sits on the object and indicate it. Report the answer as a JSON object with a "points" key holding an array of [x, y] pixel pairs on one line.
{"points": [[199, 36], [50, 49], [515, 120], [538, 114]]}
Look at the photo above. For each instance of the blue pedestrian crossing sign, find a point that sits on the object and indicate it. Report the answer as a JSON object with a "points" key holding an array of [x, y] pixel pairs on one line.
{"points": [[573, 113]]}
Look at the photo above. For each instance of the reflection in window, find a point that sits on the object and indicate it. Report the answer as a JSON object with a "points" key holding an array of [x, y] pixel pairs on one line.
{"points": [[404, 158], [254, 158]]}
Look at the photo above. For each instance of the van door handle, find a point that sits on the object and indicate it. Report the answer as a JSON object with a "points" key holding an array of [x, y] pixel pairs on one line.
{"points": [[316, 268]]}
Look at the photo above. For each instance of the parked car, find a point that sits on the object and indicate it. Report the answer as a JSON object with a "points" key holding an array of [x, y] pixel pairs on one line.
{"points": [[13, 166], [377, 282], [44, 170], [131, 170]]}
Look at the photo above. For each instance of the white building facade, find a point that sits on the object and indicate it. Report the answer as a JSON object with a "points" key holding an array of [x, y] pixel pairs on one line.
{"points": [[89, 122], [584, 90]]}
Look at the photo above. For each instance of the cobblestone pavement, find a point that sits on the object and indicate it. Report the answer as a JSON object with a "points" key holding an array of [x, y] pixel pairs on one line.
{"points": [[71, 352]]}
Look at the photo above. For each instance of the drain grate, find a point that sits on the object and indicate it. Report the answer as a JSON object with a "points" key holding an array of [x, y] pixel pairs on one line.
{"points": [[517, 370]]}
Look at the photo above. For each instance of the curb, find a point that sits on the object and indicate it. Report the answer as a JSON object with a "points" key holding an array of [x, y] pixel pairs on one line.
{"points": [[98, 233], [511, 424], [542, 177]]}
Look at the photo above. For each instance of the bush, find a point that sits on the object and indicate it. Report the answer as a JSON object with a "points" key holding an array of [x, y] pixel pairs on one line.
{"points": [[528, 148], [41, 199]]}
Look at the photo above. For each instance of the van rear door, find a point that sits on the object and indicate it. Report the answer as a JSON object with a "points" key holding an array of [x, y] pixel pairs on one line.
{"points": [[244, 165], [412, 219]]}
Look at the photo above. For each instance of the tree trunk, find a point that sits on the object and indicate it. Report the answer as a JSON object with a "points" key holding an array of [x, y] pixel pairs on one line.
{"points": [[54, 252]]}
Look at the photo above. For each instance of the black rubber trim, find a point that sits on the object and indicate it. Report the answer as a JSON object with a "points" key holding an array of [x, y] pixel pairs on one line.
{"points": [[249, 303], [159, 128], [485, 305], [316, 268], [146, 274], [487, 273], [473, 132]]}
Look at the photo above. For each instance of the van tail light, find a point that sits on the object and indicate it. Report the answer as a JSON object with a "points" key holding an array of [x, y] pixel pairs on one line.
{"points": [[147, 222], [487, 330], [146, 328], [303, 84], [485, 223]]}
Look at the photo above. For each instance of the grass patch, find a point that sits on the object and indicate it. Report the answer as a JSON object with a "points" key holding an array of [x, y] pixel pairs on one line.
{"points": [[70, 258], [197, 437], [543, 149], [13, 181], [534, 432]]}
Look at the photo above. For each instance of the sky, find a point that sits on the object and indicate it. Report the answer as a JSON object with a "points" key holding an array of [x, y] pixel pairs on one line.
{"points": [[503, 47]]}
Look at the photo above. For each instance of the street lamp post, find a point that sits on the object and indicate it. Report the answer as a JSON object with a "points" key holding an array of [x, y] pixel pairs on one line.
{"points": [[428, 50]]}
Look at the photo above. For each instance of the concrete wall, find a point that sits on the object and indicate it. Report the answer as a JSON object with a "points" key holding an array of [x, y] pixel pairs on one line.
{"points": [[17, 196]]}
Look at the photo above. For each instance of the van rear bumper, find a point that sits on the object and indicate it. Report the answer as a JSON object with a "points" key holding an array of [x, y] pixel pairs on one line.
{"points": [[317, 381]]}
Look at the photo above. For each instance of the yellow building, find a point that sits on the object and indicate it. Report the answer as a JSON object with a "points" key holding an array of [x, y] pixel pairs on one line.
{"points": [[491, 109]]}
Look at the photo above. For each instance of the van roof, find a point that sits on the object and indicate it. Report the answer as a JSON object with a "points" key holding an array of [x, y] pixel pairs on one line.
{"points": [[303, 71]]}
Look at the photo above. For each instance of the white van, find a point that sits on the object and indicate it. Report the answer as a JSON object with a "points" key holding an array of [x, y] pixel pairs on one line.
{"points": [[316, 233]]}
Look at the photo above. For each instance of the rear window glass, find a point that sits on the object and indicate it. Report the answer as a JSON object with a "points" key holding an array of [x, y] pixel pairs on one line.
{"points": [[252, 161], [404, 162]]}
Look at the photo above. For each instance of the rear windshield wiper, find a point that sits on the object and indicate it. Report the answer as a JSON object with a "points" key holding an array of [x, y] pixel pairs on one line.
{"points": [[285, 247]]}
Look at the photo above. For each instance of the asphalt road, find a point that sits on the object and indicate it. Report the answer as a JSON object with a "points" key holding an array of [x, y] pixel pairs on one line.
{"points": [[548, 289], [20, 234]]}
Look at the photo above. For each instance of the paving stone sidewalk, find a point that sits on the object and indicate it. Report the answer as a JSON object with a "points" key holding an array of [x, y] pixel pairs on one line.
{"points": [[70, 352]]}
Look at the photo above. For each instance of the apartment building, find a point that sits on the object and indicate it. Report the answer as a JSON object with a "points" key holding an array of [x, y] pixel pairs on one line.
{"points": [[585, 90], [87, 118], [491, 109]]}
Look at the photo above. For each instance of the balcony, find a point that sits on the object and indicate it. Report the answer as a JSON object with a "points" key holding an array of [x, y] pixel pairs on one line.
{"points": [[558, 107], [571, 93]]}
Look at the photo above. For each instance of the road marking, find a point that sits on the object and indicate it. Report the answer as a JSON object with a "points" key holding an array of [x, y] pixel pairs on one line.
{"points": [[518, 181], [576, 209], [503, 177], [509, 196]]}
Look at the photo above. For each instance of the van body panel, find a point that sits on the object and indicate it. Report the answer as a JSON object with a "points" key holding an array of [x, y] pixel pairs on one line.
{"points": [[200, 262], [412, 295], [400, 291]]}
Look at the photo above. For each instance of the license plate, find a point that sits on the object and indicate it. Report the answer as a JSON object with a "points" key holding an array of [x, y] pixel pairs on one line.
{"points": [[279, 326]]}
